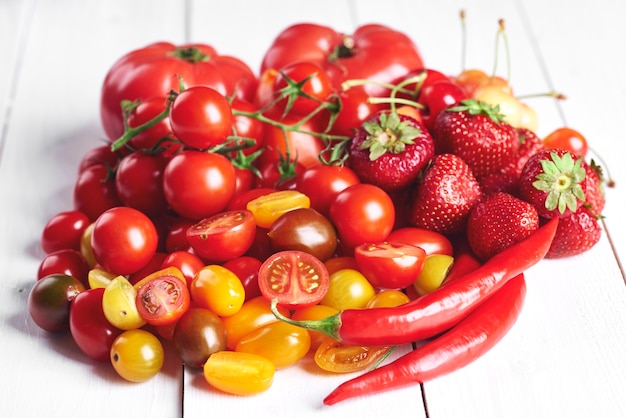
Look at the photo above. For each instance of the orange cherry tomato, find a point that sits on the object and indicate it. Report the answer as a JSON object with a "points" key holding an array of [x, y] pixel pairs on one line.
{"points": [[336, 357]]}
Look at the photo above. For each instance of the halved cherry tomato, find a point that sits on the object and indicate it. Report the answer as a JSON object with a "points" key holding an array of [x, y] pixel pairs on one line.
{"points": [[294, 278], [430, 241], [388, 265], [163, 298], [239, 373], [336, 357], [269, 207], [223, 236]]}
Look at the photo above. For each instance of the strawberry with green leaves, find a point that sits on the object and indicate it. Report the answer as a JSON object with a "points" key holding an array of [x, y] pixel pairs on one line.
{"points": [[576, 233], [553, 180], [444, 195], [390, 151], [499, 221], [478, 133]]}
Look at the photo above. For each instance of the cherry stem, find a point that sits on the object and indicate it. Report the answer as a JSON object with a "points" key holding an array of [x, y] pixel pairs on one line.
{"points": [[463, 40], [553, 94]]}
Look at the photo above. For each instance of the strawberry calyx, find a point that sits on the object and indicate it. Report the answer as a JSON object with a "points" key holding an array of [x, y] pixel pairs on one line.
{"points": [[561, 178], [388, 133], [476, 107]]}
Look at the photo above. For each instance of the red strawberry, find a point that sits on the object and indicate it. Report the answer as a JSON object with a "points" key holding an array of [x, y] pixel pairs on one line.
{"points": [[507, 178], [499, 221], [594, 193], [553, 180], [477, 133], [575, 234], [390, 151], [444, 195]]}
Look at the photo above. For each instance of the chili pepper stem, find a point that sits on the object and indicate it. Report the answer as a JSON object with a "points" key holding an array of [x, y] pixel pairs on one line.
{"points": [[328, 326]]}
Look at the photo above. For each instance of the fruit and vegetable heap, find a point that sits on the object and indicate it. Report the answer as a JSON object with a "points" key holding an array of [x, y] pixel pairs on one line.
{"points": [[345, 201]]}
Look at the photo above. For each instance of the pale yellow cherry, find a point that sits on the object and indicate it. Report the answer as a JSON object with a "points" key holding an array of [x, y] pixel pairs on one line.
{"points": [[510, 107]]}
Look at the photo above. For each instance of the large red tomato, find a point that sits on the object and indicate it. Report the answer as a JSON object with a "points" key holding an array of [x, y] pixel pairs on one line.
{"points": [[153, 71], [374, 52]]}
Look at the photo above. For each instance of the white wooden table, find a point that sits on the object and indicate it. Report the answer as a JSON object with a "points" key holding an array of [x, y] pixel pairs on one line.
{"points": [[565, 357]]}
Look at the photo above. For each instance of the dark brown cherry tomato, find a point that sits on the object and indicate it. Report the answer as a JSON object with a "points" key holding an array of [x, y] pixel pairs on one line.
{"points": [[90, 329], [389, 265], [223, 236], [304, 229], [64, 231], [49, 301], [294, 278], [198, 334]]}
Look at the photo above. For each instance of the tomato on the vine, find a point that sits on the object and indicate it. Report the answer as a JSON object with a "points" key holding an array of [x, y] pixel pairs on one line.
{"points": [[139, 182], [389, 265], [223, 236], [201, 117], [293, 278], [94, 191], [158, 137]]}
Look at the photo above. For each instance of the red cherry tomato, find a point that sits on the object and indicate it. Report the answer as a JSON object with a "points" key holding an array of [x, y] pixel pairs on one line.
{"points": [[201, 117], [123, 240], [568, 139], [94, 191], [188, 264], [223, 236], [247, 269], [162, 299], [354, 110], [388, 265], [313, 81], [294, 278], [159, 135], [323, 183], [362, 213], [191, 177], [67, 261], [100, 155], [64, 231], [90, 329], [139, 182], [430, 241], [247, 127]]}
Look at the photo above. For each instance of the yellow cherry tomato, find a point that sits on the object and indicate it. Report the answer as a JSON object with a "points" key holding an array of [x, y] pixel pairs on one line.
{"points": [[388, 298], [85, 246], [281, 343], [217, 289], [137, 355], [334, 356], [348, 289], [239, 373], [118, 304], [314, 312], [436, 267], [267, 208], [99, 278]]}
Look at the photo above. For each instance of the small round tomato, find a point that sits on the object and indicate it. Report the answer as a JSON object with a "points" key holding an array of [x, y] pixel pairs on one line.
{"points": [[388, 265], [362, 213], [162, 300], [355, 108], [90, 329], [70, 262], [239, 373], [198, 334], [314, 312], [159, 135], [191, 177], [218, 289], [333, 356], [430, 241], [187, 263], [201, 117], [388, 298], [436, 267], [247, 269], [123, 240], [340, 263], [119, 306], [139, 182], [323, 183], [304, 229], [269, 207], [568, 139], [50, 299], [294, 278], [64, 231], [348, 289], [94, 191], [137, 355], [282, 343], [305, 77], [223, 236], [100, 155]]}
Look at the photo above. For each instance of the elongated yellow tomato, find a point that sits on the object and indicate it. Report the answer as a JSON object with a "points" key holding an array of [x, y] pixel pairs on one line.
{"points": [[436, 267], [137, 355], [118, 304], [281, 343], [267, 208], [336, 357], [217, 289], [239, 373]]}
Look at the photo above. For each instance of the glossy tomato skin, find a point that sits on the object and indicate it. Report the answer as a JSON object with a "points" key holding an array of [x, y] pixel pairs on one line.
{"points": [[162, 300], [223, 236], [198, 184], [157, 137], [90, 329], [389, 265], [322, 183], [333, 356], [94, 191], [198, 334], [70, 262], [153, 70], [123, 240], [64, 231], [218, 289], [139, 182], [50, 299], [188, 263], [295, 279], [239, 373], [362, 213], [431, 242], [201, 117], [304, 229], [247, 269], [137, 355], [254, 314]]}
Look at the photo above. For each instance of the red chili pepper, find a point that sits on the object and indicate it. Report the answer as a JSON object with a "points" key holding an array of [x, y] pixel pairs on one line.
{"points": [[469, 339], [438, 311]]}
